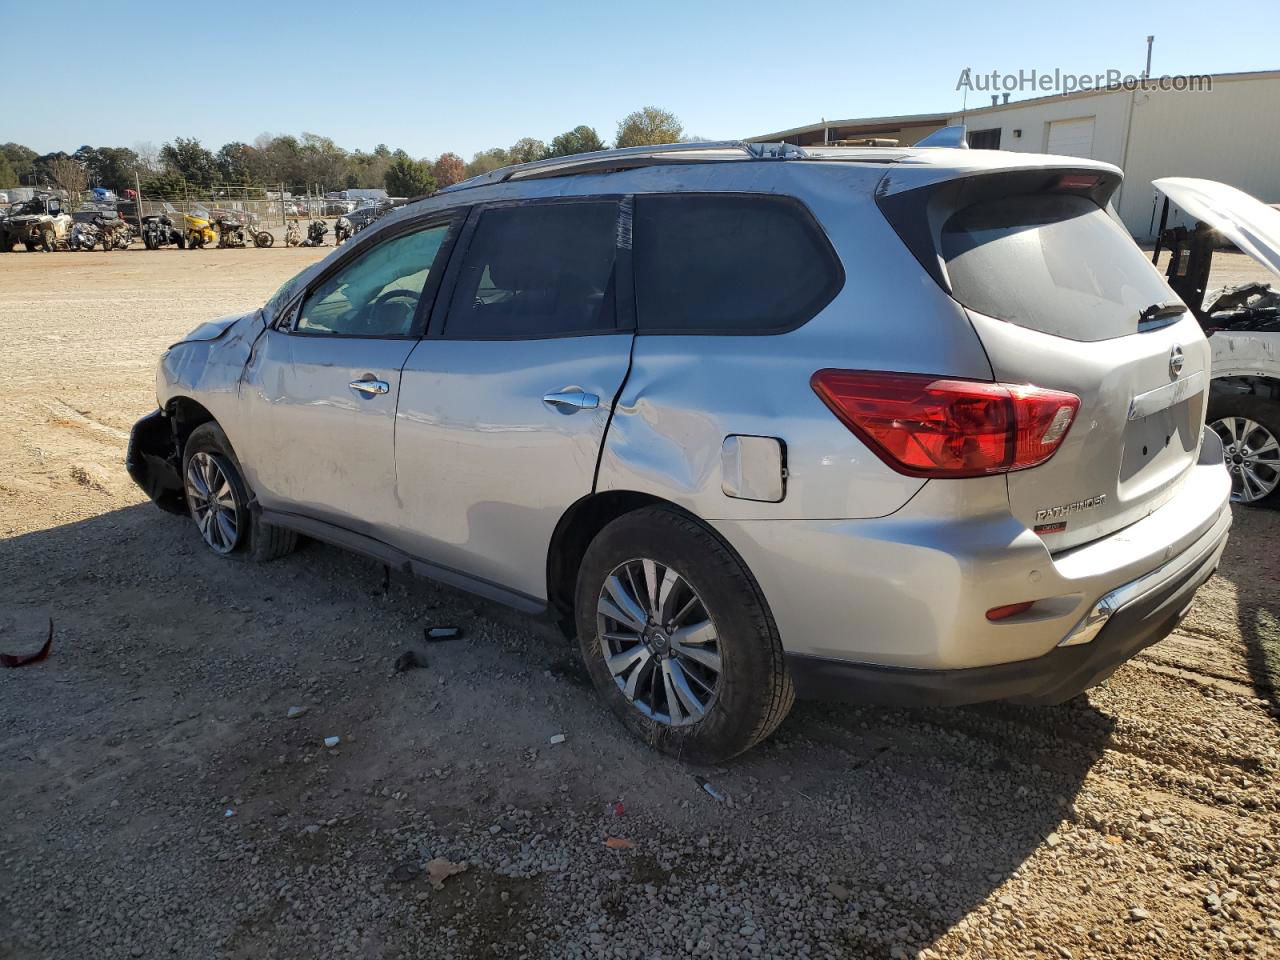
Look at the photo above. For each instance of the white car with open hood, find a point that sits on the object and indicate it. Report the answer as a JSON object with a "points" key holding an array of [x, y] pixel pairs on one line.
{"points": [[1243, 323]]}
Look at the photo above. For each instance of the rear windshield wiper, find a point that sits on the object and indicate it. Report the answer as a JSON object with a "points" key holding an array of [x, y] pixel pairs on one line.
{"points": [[1160, 311]]}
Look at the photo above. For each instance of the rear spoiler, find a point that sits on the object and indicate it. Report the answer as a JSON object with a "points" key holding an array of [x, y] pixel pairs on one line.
{"points": [[917, 214]]}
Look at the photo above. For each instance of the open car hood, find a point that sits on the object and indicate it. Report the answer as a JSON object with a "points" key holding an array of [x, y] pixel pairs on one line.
{"points": [[1246, 221]]}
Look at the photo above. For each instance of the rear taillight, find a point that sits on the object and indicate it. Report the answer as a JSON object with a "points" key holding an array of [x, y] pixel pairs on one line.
{"points": [[926, 426]]}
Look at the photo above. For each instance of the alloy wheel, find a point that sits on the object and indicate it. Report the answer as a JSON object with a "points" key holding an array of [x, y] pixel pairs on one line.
{"points": [[1252, 455], [213, 503], [659, 642]]}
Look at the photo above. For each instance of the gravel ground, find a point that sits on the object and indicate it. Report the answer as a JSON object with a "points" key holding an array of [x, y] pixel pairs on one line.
{"points": [[159, 801]]}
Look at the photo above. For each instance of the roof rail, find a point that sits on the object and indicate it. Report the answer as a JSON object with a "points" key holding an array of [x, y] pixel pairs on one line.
{"points": [[602, 161]]}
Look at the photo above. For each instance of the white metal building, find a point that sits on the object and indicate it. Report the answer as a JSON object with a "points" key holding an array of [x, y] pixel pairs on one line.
{"points": [[1230, 133]]}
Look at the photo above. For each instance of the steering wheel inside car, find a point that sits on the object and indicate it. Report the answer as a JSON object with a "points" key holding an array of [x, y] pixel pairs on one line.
{"points": [[390, 313]]}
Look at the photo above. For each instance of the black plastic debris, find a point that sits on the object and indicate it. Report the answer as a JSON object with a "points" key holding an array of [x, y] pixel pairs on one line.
{"points": [[22, 659]]}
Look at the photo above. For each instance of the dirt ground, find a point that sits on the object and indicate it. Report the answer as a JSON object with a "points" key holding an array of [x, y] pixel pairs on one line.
{"points": [[158, 801]]}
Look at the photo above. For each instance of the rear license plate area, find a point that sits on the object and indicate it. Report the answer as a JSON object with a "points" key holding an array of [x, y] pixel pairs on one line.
{"points": [[1162, 440]]}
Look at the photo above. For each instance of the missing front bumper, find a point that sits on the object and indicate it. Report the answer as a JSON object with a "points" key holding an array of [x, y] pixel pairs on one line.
{"points": [[152, 462]]}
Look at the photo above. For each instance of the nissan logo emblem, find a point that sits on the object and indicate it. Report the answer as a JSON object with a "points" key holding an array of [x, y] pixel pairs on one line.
{"points": [[1176, 360]]}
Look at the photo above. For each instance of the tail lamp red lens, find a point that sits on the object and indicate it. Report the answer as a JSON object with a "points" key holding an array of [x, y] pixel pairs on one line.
{"points": [[926, 426]]}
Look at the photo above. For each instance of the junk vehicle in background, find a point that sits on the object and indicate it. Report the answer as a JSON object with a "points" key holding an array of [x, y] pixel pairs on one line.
{"points": [[197, 229], [82, 236], [190, 230], [317, 230], [914, 426], [159, 230], [113, 233], [1242, 321], [238, 230], [38, 224]]}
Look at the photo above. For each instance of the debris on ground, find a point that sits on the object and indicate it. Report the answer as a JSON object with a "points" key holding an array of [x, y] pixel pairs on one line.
{"points": [[711, 791], [441, 633], [331, 741], [295, 712], [619, 843], [23, 659], [409, 660], [439, 870], [229, 813], [558, 738], [615, 809]]}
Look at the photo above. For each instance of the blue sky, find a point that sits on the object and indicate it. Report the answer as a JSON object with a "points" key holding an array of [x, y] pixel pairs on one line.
{"points": [[431, 77]]}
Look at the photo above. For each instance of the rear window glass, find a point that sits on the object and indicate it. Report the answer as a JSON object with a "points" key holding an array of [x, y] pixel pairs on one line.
{"points": [[728, 263], [1055, 263], [541, 270]]}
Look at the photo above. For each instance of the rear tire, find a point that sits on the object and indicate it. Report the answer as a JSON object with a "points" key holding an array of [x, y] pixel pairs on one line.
{"points": [[735, 705], [1249, 427], [229, 527]]}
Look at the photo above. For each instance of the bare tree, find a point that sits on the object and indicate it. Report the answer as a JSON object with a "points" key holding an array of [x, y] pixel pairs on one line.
{"points": [[68, 174]]}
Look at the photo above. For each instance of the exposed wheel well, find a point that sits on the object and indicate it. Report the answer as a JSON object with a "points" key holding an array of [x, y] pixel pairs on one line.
{"points": [[579, 526], [186, 415], [1265, 388], [574, 533]]}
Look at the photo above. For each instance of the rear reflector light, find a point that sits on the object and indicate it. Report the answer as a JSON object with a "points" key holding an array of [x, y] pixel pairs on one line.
{"points": [[1008, 610], [926, 426]]}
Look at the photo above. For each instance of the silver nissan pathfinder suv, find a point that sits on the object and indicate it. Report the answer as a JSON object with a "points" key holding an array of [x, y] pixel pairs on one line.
{"points": [[910, 426]]}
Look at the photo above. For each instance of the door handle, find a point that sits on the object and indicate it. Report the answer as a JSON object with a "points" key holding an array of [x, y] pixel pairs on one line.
{"points": [[572, 398], [370, 386]]}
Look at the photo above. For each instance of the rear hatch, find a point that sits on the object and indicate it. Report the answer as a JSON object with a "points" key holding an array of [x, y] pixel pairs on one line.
{"points": [[1062, 298]]}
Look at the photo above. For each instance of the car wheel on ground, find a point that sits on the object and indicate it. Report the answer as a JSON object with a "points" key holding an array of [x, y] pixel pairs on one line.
{"points": [[1250, 432], [218, 501], [677, 638]]}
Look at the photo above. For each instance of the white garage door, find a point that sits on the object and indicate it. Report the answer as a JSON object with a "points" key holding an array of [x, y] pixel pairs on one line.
{"points": [[1071, 138]]}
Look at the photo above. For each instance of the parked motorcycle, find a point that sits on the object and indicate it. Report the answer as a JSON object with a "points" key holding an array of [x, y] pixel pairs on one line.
{"points": [[316, 232], [237, 230], [82, 236], [158, 231], [342, 231], [292, 238], [198, 229]]}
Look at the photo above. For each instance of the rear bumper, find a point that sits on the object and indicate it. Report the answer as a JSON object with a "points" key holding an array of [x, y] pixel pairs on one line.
{"points": [[901, 601], [1138, 614]]}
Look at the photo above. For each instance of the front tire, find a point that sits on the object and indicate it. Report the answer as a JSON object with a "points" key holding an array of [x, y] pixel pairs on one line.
{"points": [[218, 501], [678, 639], [1249, 428]]}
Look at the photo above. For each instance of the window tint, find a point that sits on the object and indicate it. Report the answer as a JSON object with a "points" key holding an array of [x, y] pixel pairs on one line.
{"points": [[729, 264], [1051, 262], [538, 270], [378, 294]]}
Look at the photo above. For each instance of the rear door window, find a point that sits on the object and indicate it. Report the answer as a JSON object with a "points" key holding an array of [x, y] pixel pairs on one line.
{"points": [[729, 263], [537, 270], [1055, 263]]}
